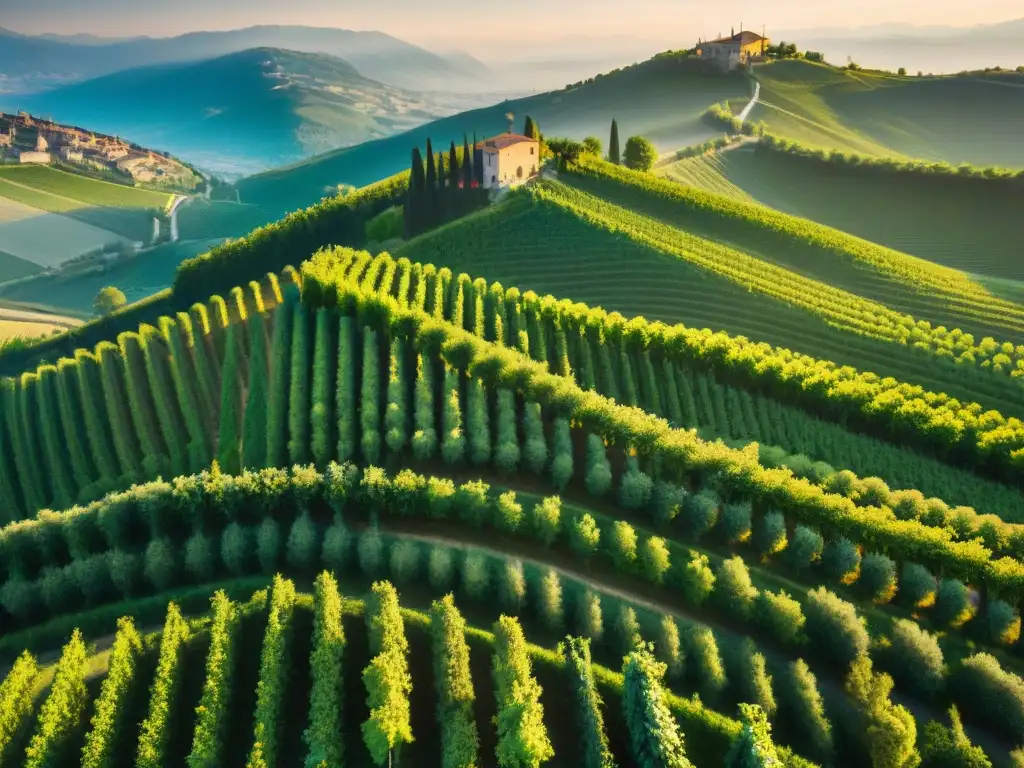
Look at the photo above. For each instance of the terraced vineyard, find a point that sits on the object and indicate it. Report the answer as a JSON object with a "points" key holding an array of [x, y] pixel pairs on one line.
{"points": [[907, 213], [655, 535]]}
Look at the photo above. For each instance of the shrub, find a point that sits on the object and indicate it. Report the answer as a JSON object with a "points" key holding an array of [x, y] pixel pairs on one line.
{"points": [[334, 552], [700, 513], [506, 452], [770, 534], [635, 487], [733, 588], [161, 564], [841, 561], [323, 737], [579, 670], [513, 585], [562, 462], [878, 577], [1003, 623], [736, 523], [696, 579], [599, 470], [622, 546], [754, 683], [63, 710], [301, 549], [917, 586], [16, 699], [654, 559], [214, 705], [754, 746], [584, 535], [387, 679], [953, 605], [589, 619], [546, 519], [476, 576], [982, 685], [522, 735], [370, 550], [916, 657], [640, 154], [404, 563], [834, 627], [508, 512], [154, 732], [199, 562], [805, 548], [268, 545], [653, 731], [535, 447], [548, 599], [943, 747], [702, 649], [802, 699], [781, 615], [667, 502], [440, 568], [453, 685]]}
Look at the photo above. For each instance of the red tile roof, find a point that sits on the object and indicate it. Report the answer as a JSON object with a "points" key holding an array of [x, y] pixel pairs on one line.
{"points": [[501, 141], [744, 38]]}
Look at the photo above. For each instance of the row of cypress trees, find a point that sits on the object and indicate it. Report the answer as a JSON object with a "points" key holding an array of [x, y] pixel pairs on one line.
{"points": [[442, 187]]}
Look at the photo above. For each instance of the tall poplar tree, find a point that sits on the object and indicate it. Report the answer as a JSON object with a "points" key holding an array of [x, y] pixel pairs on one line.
{"points": [[530, 129], [467, 163], [414, 203], [430, 219], [613, 145], [442, 192], [454, 176]]}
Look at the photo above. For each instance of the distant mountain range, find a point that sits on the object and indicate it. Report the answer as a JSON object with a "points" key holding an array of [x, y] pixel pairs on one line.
{"points": [[240, 113], [931, 49], [30, 64]]}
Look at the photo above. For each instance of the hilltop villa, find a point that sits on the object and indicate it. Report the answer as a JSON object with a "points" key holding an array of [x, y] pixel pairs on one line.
{"points": [[728, 53], [508, 159]]}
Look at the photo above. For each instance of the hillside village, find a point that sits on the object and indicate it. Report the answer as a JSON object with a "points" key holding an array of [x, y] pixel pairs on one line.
{"points": [[30, 140]]}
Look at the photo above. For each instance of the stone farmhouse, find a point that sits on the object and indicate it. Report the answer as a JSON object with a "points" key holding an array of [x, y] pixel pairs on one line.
{"points": [[508, 159], [728, 53]]}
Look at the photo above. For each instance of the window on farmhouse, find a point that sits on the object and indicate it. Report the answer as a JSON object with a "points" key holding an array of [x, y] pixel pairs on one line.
{"points": [[519, 171]]}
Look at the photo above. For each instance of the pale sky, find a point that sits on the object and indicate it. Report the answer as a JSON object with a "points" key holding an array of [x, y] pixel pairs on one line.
{"points": [[445, 21]]}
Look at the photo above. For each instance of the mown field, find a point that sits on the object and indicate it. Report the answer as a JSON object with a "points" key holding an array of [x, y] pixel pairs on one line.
{"points": [[124, 211], [919, 216], [654, 534], [886, 115]]}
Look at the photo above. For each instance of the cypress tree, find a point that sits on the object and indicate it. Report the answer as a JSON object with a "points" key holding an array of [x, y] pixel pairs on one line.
{"points": [[128, 431], [26, 462], [73, 422], [298, 402], [97, 429], [228, 455], [254, 427], [280, 375], [467, 164], [613, 145], [530, 130], [478, 169], [345, 392], [442, 191], [654, 734], [430, 206], [414, 202], [322, 413], [454, 181]]}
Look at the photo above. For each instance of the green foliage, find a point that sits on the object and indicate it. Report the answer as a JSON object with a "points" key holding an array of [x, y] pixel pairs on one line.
{"points": [[640, 153], [733, 588], [522, 736], [635, 488], [561, 454], [546, 519], [155, 730], [345, 393], [841, 561], [453, 443], [548, 600], [321, 415], [595, 752], [770, 534], [654, 559], [654, 735], [387, 679], [889, 729], [535, 448], [781, 615], [754, 747], [64, 709], [228, 441], [916, 657], [280, 379], [834, 626], [702, 649], [404, 562], [273, 677], [802, 700], [917, 586], [598, 478], [953, 605], [506, 449], [621, 544], [805, 548], [584, 535], [878, 577], [108, 299], [943, 747], [982, 685], [323, 737], [700, 513], [696, 579], [454, 685], [736, 523], [214, 704], [16, 698]]}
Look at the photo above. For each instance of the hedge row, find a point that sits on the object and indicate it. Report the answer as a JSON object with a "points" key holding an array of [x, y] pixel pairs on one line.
{"points": [[387, 678], [155, 730], [63, 712], [460, 741], [273, 679]]}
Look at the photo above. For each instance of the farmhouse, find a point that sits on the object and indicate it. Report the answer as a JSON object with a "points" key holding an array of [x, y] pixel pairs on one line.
{"points": [[508, 159], [728, 53]]}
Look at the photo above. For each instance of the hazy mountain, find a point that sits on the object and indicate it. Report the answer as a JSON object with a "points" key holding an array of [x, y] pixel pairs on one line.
{"points": [[31, 63], [243, 112], [928, 49]]}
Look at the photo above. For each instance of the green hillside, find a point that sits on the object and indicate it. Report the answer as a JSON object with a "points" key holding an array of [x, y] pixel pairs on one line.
{"points": [[918, 215], [244, 112], [514, 481], [973, 119], [662, 99]]}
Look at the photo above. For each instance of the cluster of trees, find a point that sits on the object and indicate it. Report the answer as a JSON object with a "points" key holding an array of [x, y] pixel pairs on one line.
{"points": [[721, 117], [443, 187], [639, 153], [705, 148]]}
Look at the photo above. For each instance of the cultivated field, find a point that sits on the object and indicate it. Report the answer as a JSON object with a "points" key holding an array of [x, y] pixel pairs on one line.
{"points": [[886, 115], [917, 215], [125, 211], [43, 238], [205, 219]]}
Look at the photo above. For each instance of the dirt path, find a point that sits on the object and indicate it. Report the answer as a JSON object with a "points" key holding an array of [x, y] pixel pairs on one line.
{"points": [[752, 103]]}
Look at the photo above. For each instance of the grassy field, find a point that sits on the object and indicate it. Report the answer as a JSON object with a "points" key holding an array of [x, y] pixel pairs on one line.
{"points": [[919, 216], [954, 119], [206, 219], [145, 275], [662, 99], [124, 211], [35, 236]]}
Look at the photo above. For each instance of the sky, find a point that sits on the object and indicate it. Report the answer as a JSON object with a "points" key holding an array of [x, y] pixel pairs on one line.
{"points": [[446, 22]]}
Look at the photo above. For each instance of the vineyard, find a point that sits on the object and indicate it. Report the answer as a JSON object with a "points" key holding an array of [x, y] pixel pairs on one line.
{"points": [[536, 458]]}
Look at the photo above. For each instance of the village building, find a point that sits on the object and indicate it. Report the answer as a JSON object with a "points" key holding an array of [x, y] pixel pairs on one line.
{"points": [[70, 153], [33, 157], [7, 138], [728, 53], [508, 159]]}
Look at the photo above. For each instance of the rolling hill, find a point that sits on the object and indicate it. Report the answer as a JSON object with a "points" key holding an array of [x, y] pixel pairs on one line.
{"points": [[970, 119], [662, 98], [243, 112], [919, 215], [34, 63]]}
